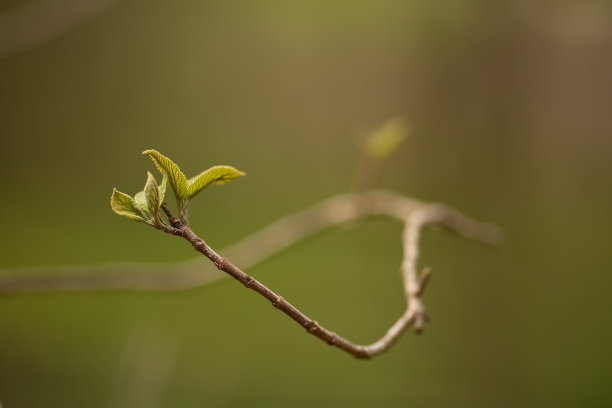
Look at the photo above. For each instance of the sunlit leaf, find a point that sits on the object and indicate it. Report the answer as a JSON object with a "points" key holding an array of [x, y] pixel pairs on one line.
{"points": [[125, 205], [141, 200], [152, 195], [176, 178], [216, 175], [162, 189]]}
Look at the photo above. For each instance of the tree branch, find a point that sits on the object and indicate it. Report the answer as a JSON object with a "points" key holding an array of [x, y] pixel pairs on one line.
{"points": [[417, 216]]}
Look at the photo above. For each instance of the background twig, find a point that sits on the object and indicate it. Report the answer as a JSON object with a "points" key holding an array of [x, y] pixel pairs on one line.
{"points": [[247, 253]]}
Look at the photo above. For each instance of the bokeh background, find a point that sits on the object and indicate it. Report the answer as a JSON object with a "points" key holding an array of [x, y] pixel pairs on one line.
{"points": [[510, 108]]}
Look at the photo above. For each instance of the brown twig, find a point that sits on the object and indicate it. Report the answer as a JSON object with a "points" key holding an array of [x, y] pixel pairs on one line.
{"points": [[416, 217]]}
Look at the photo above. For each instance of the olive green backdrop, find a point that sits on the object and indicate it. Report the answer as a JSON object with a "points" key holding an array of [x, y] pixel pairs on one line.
{"points": [[509, 104]]}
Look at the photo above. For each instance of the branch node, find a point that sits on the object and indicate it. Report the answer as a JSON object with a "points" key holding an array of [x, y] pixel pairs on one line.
{"points": [[248, 282], [277, 302], [175, 222], [420, 318], [313, 327], [362, 353], [222, 262]]}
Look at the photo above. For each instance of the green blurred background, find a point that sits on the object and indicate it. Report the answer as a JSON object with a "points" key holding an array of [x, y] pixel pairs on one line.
{"points": [[509, 103]]}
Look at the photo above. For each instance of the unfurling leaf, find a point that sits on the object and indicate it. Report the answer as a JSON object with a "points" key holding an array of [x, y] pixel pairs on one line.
{"points": [[151, 192], [144, 206], [216, 174], [125, 205], [141, 201], [387, 139], [162, 189], [176, 178], [184, 189]]}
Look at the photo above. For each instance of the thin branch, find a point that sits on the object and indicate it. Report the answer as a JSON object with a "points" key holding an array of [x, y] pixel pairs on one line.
{"points": [[415, 314], [248, 252]]}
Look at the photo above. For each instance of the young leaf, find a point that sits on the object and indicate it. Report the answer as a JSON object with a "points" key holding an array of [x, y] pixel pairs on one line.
{"points": [[152, 195], [177, 179], [216, 174], [125, 205], [162, 189], [141, 201], [385, 141]]}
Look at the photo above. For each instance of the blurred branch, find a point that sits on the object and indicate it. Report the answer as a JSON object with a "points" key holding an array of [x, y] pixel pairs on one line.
{"points": [[248, 252]]}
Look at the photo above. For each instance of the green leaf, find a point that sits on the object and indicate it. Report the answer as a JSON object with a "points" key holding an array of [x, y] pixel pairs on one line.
{"points": [[162, 189], [176, 178], [386, 140], [152, 195], [141, 201], [125, 205], [216, 174]]}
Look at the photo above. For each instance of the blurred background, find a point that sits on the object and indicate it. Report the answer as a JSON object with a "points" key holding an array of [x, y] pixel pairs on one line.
{"points": [[509, 104]]}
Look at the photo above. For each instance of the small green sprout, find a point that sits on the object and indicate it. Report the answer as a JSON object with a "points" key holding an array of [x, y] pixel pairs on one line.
{"points": [[145, 205]]}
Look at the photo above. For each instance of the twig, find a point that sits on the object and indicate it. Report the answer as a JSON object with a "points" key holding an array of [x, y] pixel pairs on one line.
{"points": [[415, 315]]}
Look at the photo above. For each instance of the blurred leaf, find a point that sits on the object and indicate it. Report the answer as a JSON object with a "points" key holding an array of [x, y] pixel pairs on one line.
{"points": [[216, 174], [125, 205], [387, 139], [177, 179]]}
